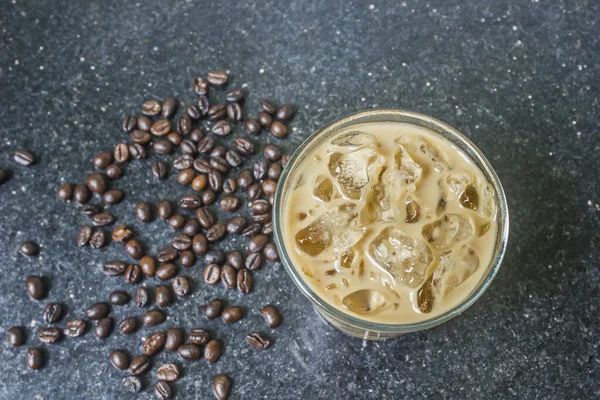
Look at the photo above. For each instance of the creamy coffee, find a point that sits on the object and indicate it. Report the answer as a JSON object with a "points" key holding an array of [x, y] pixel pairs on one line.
{"points": [[389, 222]]}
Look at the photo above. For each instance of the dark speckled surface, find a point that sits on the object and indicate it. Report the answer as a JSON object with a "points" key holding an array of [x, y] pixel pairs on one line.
{"points": [[519, 78]]}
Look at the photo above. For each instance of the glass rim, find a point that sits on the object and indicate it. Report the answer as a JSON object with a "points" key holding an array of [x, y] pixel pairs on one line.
{"points": [[484, 165]]}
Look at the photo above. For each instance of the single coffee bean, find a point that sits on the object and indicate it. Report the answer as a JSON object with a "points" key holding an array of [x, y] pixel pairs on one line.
{"points": [[198, 336], [234, 112], [129, 123], [34, 358], [65, 191], [133, 274], [221, 128], [199, 244], [154, 343], [153, 317], [134, 249], [285, 112], [251, 230], [186, 176], [35, 287], [97, 311], [229, 185], [187, 258], [160, 127], [228, 276], [218, 151], [234, 95], [163, 296], [81, 193], [267, 229], [206, 218], [221, 386], [205, 145], [216, 232], [212, 273], [16, 335], [190, 202], [244, 146], [200, 86], [181, 242], [118, 298], [112, 196], [203, 104], [271, 199], [174, 339], [278, 129], [23, 157], [254, 191], [174, 138], [235, 259], [143, 211], [202, 166], [265, 119], [103, 328], [140, 137], [113, 172], [137, 151], [213, 308], [151, 107], [159, 169], [132, 384], [182, 162], [188, 147], [215, 180], [166, 271], [217, 111], [245, 179], [253, 261], [220, 164], [121, 153], [199, 183], [215, 257], [144, 123], [90, 210], [148, 265], [212, 351], [162, 147], [236, 225], [164, 209], [181, 286], [274, 171], [262, 218], [52, 313], [244, 280], [75, 328], [270, 252], [193, 112], [128, 326], [257, 341], [260, 206], [271, 316], [269, 186], [103, 219], [139, 365], [233, 158], [260, 168], [141, 297], [114, 268], [102, 160], [119, 359], [49, 335], [252, 126], [169, 106], [231, 314], [217, 78], [168, 372], [229, 203], [191, 228], [272, 152], [184, 125], [84, 235], [257, 243], [267, 106], [29, 248], [189, 352]]}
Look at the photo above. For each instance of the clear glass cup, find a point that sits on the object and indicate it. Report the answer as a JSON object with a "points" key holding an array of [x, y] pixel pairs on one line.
{"points": [[355, 326]]}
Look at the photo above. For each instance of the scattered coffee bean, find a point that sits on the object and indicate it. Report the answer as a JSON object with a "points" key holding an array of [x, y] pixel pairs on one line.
{"points": [[215, 180], [52, 313], [212, 351], [278, 129], [205, 145], [166, 271], [244, 146], [29, 248], [23, 157], [184, 125], [35, 287], [118, 298], [128, 326], [97, 182], [148, 265], [174, 138], [262, 218], [229, 203], [143, 211], [153, 317], [220, 164], [211, 274], [162, 147], [168, 372], [113, 172], [232, 314], [270, 252], [144, 123], [151, 107], [218, 151], [216, 232], [169, 106], [139, 365], [103, 219], [217, 111], [271, 316], [154, 343], [221, 386], [16, 335], [81, 193], [141, 297], [119, 359], [191, 228], [253, 261], [244, 280], [245, 179], [121, 153], [114, 268], [269, 186], [160, 127], [199, 244], [189, 352], [159, 169], [92, 209], [267, 228], [129, 123], [252, 126], [200, 86], [272, 152], [203, 104], [49, 335], [198, 336], [217, 78], [234, 95], [234, 112], [260, 168], [228, 276], [213, 308], [257, 243], [214, 257], [181, 286], [251, 230], [84, 235], [97, 311], [222, 128], [201, 166], [193, 112], [260, 206], [133, 274], [190, 202], [235, 259], [183, 162], [285, 112], [164, 209], [134, 249], [265, 119], [274, 171], [174, 339], [102, 160], [267, 106], [163, 296], [254, 191], [206, 218], [132, 384], [257, 341], [137, 151], [97, 240], [75, 328], [65, 191], [187, 258], [233, 158], [34, 358], [186, 176], [236, 225], [199, 183]]}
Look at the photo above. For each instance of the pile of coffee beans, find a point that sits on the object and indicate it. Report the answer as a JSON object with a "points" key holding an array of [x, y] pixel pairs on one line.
{"points": [[216, 172]]}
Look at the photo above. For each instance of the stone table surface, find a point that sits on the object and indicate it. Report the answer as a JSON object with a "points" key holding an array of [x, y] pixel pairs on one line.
{"points": [[518, 78]]}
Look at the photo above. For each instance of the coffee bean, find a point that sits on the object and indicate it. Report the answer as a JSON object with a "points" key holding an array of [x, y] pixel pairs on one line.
{"points": [[251, 230], [166, 271], [262, 218], [16, 335], [75, 328], [164, 209], [141, 297], [186, 176], [229, 204], [265, 119], [134, 249], [203, 105], [174, 138], [257, 243], [202, 166], [236, 225], [153, 317], [188, 147], [132, 384], [274, 171], [193, 112], [154, 343], [103, 219], [140, 137], [229, 185], [128, 326], [49, 335], [119, 359], [84, 235], [52, 313], [234, 95], [3, 176], [215, 257], [184, 125], [190, 202], [199, 244], [267, 106], [260, 206], [198, 336], [212, 351], [208, 196], [187, 258], [278, 129], [97, 311], [159, 169], [162, 147], [217, 78], [216, 232], [271, 316], [205, 145], [129, 123], [174, 339], [114, 268], [183, 162], [169, 106], [163, 296], [245, 179], [34, 358], [221, 386], [181, 286], [133, 274], [199, 183], [218, 151], [139, 365], [160, 127], [253, 261], [272, 152], [235, 259], [285, 112], [269, 186], [215, 180], [212, 273], [137, 151], [23, 157], [254, 191], [252, 126], [144, 123], [168, 372], [65, 191], [222, 128], [228, 276], [213, 308], [112, 196], [189, 352], [35, 287], [232, 314], [257, 341], [244, 146], [29, 248], [270, 252], [102, 160], [92, 209], [151, 107], [113, 172], [191, 228], [259, 169], [244, 280], [118, 297], [267, 229], [217, 111], [220, 164], [200, 86], [177, 221], [121, 233], [103, 328], [81, 193], [234, 112], [233, 158]]}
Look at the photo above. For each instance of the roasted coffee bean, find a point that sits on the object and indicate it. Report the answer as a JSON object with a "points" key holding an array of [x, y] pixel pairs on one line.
{"points": [[52, 313], [215, 257], [114, 268], [260, 168], [183, 162], [132, 384], [216, 111], [221, 128], [234, 95], [159, 169], [174, 138], [215, 180], [216, 232], [202, 166], [193, 112], [164, 209], [163, 296], [81, 193], [151, 107], [245, 179], [257, 341], [168, 372], [113, 172], [203, 105], [212, 273], [160, 127], [128, 326], [139, 365], [278, 129], [119, 359], [174, 339], [253, 261], [228, 276], [212, 351], [232, 314], [200, 86], [269, 186], [251, 230], [234, 112], [267, 106], [143, 211], [220, 164], [84, 235], [112, 196], [169, 106], [23, 157], [102, 160], [244, 146], [184, 125], [217, 78], [199, 244], [271, 199], [97, 182], [162, 146], [213, 308], [154, 343], [134, 249], [181, 286], [198, 336], [133, 274], [260, 206], [97, 311], [187, 258], [75, 328], [271, 316], [285, 112], [186, 176], [129, 123], [208, 196], [190, 202], [265, 119], [153, 317], [267, 228], [272, 152], [92, 209], [254, 191], [236, 225], [103, 219], [137, 151], [140, 137], [274, 171], [189, 352], [221, 386], [257, 243], [229, 185], [16, 335], [262, 218], [270, 252], [199, 183], [141, 297], [118, 297], [35, 287], [191, 228], [65, 191], [252, 126], [144, 123], [205, 145], [188, 147], [233, 158], [218, 151], [34, 358], [235, 259], [166, 271], [229, 204], [103, 328], [244, 280], [148, 265]]}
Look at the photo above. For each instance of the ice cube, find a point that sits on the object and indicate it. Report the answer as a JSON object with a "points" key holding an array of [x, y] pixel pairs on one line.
{"points": [[355, 139], [472, 193], [448, 230], [351, 170], [323, 188], [455, 268], [319, 234], [420, 145], [364, 302], [346, 258], [409, 172], [401, 256], [413, 211]]}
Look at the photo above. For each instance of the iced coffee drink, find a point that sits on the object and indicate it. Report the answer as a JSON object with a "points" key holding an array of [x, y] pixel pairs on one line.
{"points": [[389, 222]]}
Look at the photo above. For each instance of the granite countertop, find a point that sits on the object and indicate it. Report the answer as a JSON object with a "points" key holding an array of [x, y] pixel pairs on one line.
{"points": [[520, 79]]}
